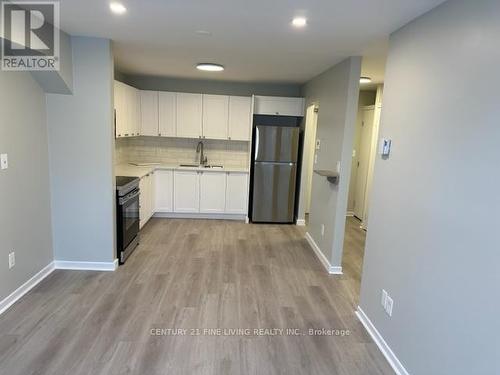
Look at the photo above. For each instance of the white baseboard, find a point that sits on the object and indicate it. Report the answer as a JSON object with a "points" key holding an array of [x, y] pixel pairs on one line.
{"points": [[332, 270], [301, 222], [180, 215], [26, 287], [382, 345], [86, 266]]}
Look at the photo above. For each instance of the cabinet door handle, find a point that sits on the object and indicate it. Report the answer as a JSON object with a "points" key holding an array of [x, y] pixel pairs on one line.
{"points": [[229, 138], [159, 134]]}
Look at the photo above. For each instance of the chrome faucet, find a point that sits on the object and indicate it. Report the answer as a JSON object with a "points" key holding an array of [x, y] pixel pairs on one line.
{"points": [[203, 158]]}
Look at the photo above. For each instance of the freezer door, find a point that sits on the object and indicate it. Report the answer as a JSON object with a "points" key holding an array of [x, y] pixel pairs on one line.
{"points": [[274, 192], [276, 143]]}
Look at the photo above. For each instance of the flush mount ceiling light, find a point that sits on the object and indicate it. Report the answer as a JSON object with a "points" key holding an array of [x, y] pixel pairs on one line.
{"points": [[210, 67], [117, 8], [299, 22], [365, 80]]}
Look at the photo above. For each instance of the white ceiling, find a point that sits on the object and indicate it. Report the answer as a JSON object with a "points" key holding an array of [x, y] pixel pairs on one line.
{"points": [[252, 39]]}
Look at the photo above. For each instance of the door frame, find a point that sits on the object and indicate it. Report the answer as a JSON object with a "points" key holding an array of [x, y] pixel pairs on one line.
{"points": [[309, 150]]}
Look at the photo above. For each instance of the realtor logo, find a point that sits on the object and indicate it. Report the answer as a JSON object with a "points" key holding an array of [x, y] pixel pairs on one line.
{"points": [[30, 31]]}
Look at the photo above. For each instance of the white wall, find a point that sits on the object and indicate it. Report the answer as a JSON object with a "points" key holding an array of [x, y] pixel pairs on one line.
{"points": [[25, 224], [336, 93], [433, 227], [81, 144]]}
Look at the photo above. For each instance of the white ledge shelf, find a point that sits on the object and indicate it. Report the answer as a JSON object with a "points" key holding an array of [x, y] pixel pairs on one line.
{"points": [[331, 176]]}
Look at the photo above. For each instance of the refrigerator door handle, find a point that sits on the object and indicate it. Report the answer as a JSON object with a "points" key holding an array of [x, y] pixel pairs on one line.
{"points": [[257, 143]]}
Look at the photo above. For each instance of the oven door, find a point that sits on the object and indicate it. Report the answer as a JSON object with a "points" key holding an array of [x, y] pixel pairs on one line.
{"points": [[128, 221]]}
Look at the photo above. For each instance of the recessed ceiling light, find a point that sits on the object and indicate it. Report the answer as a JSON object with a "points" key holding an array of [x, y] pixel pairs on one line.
{"points": [[117, 8], [209, 67], [299, 21], [203, 32], [365, 80]]}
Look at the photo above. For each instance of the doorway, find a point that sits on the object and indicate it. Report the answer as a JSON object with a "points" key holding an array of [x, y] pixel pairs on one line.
{"points": [[364, 154], [308, 161], [363, 159]]}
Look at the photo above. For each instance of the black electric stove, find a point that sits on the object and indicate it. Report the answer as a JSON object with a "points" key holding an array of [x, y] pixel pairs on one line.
{"points": [[127, 216]]}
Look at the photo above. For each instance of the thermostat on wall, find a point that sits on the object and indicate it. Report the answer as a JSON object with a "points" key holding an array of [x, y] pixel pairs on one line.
{"points": [[385, 147]]}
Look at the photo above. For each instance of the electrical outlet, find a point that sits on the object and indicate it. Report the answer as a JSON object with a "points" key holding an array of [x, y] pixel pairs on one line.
{"points": [[12, 260], [388, 306], [338, 167], [4, 161], [383, 300], [322, 230], [315, 158]]}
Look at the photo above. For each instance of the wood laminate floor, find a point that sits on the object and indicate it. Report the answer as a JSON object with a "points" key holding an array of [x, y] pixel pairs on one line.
{"points": [[194, 275]]}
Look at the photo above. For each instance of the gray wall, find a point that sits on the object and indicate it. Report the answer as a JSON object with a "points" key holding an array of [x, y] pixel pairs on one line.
{"points": [[433, 227], [59, 82], [336, 92], [209, 86], [81, 145], [24, 187]]}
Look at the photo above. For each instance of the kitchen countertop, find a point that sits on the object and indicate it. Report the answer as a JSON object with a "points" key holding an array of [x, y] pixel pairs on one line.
{"points": [[141, 171]]}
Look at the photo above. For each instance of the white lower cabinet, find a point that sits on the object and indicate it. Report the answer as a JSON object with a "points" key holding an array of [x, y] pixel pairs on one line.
{"points": [[192, 192], [187, 191], [164, 191], [212, 192], [236, 193], [146, 198]]}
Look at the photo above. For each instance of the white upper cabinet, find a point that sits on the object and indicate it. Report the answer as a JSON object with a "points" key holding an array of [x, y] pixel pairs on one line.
{"points": [[149, 113], [189, 115], [280, 106], [167, 113], [215, 116], [164, 186], [237, 193], [120, 113], [186, 191], [212, 192], [127, 110], [240, 118]]}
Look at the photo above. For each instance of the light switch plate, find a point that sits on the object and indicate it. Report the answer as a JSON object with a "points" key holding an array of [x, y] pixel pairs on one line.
{"points": [[388, 305], [12, 260], [318, 144], [383, 300], [4, 161]]}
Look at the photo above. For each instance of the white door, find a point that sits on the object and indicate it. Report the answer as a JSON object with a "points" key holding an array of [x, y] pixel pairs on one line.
{"points": [[363, 162], [149, 113], [186, 191], [212, 192], [164, 189], [167, 113], [189, 115], [240, 121], [237, 193], [215, 116]]}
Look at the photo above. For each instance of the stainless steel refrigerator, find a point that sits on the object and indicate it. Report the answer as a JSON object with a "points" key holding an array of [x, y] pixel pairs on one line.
{"points": [[276, 151]]}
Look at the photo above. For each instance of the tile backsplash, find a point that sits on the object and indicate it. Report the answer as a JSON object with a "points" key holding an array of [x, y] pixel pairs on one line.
{"points": [[181, 151]]}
